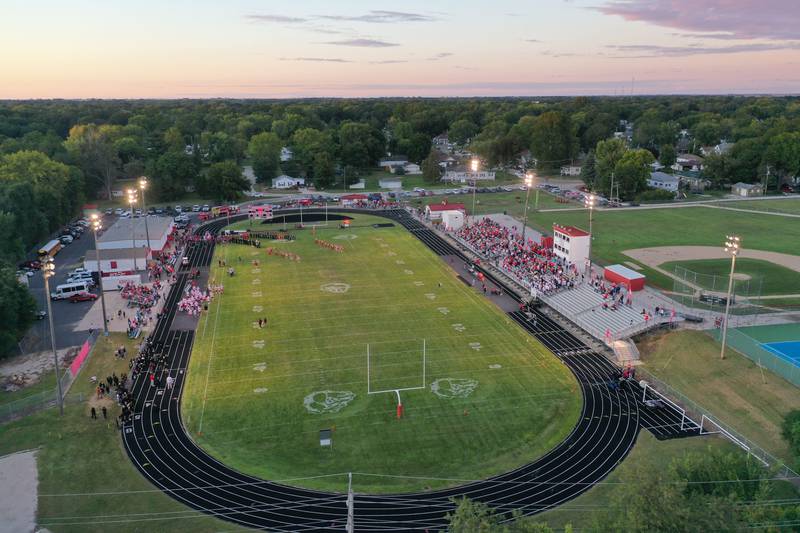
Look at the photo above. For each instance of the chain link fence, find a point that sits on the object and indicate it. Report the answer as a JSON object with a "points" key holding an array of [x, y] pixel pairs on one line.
{"points": [[709, 292]]}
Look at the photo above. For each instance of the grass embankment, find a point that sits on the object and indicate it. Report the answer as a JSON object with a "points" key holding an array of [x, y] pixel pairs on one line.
{"points": [[502, 400], [772, 278], [734, 390], [79, 457]]}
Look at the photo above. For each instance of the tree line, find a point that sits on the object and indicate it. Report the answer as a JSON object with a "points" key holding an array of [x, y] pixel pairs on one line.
{"points": [[55, 155]]}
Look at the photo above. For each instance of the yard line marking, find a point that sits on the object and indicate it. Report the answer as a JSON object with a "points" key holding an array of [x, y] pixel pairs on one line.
{"points": [[208, 369]]}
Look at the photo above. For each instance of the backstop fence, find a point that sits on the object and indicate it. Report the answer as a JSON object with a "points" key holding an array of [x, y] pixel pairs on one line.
{"points": [[709, 292], [755, 351]]}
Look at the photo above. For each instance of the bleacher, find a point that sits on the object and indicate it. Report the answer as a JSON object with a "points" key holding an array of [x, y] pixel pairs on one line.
{"points": [[584, 306]]}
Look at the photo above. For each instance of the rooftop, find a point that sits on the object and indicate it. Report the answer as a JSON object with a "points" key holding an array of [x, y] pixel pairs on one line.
{"points": [[570, 231], [664, 177], [446, 207], [122, 228], [116, 253]]}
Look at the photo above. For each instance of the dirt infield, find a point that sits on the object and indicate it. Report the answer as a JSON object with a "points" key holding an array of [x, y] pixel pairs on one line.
{"points": [[653, 257]]}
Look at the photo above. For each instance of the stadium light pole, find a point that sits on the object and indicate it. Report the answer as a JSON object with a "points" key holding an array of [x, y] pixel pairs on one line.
{"points": [[48, 271], [732, 246], [132, 202], [474, 167], [96, 226], [590, 202], [528, 183], [142, 186]]}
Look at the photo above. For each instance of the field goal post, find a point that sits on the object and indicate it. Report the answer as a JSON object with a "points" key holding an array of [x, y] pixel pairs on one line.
{"points": [[398, 390]]}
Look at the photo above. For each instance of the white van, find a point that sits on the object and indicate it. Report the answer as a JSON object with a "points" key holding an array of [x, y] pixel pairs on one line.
{"points": [[66, 290]]}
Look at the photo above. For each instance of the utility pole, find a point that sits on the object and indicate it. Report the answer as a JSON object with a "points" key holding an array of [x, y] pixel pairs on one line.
{"points": [[766, 183], [350, 513], [95, 227]]}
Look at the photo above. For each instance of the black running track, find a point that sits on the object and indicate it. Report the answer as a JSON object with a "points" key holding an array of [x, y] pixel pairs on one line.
{"points": [[159, 446]]}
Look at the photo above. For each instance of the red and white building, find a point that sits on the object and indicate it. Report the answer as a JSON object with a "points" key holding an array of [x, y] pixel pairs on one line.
{"points": [[572, 244], [434, 211], [353, 200], [117, 265]]}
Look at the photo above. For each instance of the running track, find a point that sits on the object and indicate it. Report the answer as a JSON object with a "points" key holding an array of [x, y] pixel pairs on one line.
{"points": [[157, 443]]}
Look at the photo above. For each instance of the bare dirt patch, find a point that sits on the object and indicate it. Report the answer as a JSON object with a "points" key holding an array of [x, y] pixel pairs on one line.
{"points": [[25, 370], [658, 255]]}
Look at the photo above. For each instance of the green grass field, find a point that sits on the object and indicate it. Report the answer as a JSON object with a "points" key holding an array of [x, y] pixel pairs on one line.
{"points": [[772, 278], [790, 205], [495, 398], [86, 481], [624, 229]]}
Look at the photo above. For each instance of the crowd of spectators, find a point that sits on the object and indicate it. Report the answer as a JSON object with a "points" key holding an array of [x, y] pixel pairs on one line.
{"points": [[533, 264]]}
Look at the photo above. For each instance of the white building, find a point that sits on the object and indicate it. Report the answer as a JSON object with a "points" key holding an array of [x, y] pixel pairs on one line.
{"points": [[688, 162], [452, 219], [435, 211], [128, 233], [390, 183], [412, 168], [286, 154], [464, 176], [117, 265], [287, 182], [389, 163], [572, 244], [747, 189], [571, 170], [663, 181]]}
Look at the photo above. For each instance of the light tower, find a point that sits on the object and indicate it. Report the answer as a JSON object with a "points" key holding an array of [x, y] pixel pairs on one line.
{"points": [[48, 271], [732, 246], [97, 226], [528, 183], [132, 202], [474, 164], [590, 201], [142, 187]]}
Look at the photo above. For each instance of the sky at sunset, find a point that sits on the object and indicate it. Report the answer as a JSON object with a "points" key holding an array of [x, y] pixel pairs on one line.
{"points": [[311, 48]]}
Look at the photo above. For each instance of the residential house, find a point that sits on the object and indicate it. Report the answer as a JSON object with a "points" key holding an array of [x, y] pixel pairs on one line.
{"points": [[442, 142], [412, 168], [720, 149], [390, 183], [286, 154], [694, 182], [573, 169], [287, 182], [464, 175], [747, 189], [663, 181], [389, 163], [688, 162]]}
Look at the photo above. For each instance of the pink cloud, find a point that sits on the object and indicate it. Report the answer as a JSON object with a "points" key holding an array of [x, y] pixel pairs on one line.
{"points": [[743, 19]]}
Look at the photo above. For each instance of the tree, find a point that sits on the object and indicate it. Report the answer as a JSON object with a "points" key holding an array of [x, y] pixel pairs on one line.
{"points": [[783, 153], [791, 432], [589, 171], [17, 308], [307, 144], [476, 517], [667, 155], [324, 170], [431, 171], [607, 155], [707, 132], [360, 144], [553, 139], [172, 172], [225, 181], [462, 131], [92, 148], [264, 150], [632, 171]]}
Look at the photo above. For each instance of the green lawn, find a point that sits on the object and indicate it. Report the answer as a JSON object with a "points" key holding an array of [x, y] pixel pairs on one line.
{"points": [[40, 389], [81, 456], [773, 279], [733, 389], [617, 230], [495, 398], [789, 205], [512, 203], [648, 454]]}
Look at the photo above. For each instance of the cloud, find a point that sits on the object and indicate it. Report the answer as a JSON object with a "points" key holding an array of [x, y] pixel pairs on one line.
{"points": [[532, 41], [363, 43], [439, 56], [275, 18], [553, 53], [741, 19], [317, 59], [648, 50], [382, 17], [388, 62]]}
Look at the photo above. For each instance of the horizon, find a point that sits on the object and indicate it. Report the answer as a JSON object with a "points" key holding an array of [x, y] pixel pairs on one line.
{"points": [[266, 50]]}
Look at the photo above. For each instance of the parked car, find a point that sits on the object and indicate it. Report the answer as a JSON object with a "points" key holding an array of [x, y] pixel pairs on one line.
{"points": [[83, 297], [118, 211], [79, 270], [66, 239], [31, 265], [109, 211], [195, 208], [40, 315], [787, 189], [205, 209]]}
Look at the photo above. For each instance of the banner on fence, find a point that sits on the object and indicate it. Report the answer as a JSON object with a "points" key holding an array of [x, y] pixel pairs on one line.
{"points": [[75, 367]]}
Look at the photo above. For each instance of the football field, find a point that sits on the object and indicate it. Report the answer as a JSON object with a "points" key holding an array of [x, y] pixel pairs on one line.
{"points": [[480, 396]]}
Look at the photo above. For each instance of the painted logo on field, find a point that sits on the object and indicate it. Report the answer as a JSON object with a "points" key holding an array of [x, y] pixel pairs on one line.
{"points": [[449, 388], [346, 237], [328, 401], [335, 288]]}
